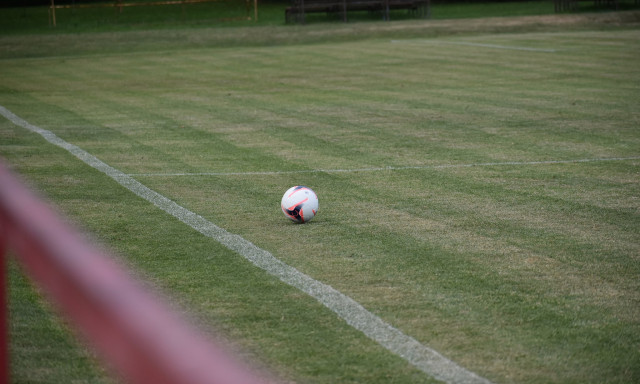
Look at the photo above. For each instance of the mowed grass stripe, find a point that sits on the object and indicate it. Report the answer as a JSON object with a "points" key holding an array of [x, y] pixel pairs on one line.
{"points": [[277, 323], [314, 116], [523, 273], [424, 358], [421, 243], [388, 168]]}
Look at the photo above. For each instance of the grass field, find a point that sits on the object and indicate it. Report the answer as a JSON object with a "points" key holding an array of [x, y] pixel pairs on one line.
{"points": [[479, 186]]}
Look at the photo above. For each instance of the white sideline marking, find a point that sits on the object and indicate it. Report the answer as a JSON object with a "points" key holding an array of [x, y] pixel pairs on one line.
{"points": [[373, 169], [422, 357], [496, 46]]}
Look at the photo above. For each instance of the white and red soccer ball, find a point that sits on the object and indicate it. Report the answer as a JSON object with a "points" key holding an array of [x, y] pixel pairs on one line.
{"points": [[300, 204]]}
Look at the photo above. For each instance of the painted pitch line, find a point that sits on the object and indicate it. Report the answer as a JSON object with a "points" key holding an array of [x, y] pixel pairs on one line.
{"points": [[375, 169], [422, 357], [494, 46]]}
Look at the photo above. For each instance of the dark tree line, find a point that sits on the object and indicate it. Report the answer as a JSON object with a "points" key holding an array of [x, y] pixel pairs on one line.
{"points": [[33, 3]]}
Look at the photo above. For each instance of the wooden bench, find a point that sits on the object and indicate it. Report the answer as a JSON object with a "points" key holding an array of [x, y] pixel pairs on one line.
{"points": [[299, 8], [572, 5]]}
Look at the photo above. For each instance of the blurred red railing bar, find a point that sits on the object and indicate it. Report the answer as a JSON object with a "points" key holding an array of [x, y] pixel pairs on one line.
{"points": [[133, 329]]}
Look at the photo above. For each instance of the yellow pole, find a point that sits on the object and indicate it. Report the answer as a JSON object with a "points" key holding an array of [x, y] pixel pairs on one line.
{"points": [[52, 14]]}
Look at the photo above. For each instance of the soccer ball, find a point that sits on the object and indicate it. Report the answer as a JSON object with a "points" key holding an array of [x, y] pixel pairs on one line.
{"points": [[300, 204]]}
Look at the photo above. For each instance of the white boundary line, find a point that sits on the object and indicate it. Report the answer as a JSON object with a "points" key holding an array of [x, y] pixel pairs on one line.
{"points": [[422, 357], [375, 169], [496, 46]]}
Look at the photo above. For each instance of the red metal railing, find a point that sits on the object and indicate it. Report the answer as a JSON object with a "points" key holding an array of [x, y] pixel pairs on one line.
{"points": [[133, 330]]}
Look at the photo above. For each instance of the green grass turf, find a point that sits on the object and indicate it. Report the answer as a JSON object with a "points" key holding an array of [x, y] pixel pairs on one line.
{"points": [[521, 273]]}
